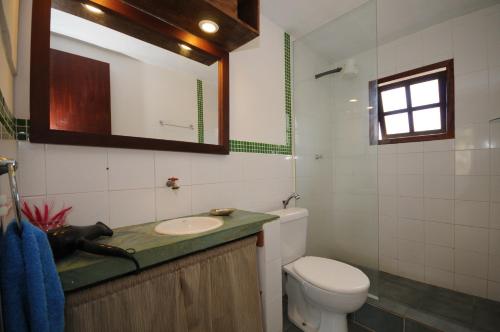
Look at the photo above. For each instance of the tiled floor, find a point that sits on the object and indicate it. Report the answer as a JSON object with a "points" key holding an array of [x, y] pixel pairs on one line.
{"points": [[289, 327]]}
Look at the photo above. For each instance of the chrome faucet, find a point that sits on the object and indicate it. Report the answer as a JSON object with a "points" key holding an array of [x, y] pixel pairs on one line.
{"points": [[286, 201]]}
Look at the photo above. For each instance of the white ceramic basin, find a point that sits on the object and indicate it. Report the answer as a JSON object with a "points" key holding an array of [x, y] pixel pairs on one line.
{"points": [[188, 225]]}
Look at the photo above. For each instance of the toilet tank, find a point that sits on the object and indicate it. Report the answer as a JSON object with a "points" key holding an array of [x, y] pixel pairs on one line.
{"points": [[293, 222]]}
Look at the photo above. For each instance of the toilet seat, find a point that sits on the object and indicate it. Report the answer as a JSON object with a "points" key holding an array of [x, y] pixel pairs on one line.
{"points": [[331, 275]]}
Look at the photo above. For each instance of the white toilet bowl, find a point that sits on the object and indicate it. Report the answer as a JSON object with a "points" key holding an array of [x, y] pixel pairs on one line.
{"points": [[321, 292]]}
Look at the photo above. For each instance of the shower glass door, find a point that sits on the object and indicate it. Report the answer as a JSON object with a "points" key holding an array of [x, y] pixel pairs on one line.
{"points": [[336, 166]]}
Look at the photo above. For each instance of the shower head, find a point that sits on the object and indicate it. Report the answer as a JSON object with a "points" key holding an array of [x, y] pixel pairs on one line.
{"points": [[350, 70]]}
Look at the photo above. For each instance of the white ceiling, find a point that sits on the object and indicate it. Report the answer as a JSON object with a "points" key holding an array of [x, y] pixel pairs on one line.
{"points": [[337, 29], [299, 17], [349, 34], [396, 18]]}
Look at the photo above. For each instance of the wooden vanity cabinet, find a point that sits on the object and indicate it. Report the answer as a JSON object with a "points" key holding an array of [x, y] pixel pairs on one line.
{"points": [[210, 291]]}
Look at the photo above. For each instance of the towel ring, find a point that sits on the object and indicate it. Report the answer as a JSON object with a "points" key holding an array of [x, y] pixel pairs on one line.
{"points": [[9, 166]]}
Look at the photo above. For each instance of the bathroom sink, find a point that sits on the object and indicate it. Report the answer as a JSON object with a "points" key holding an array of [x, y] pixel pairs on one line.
{"points": [[188, 225]]}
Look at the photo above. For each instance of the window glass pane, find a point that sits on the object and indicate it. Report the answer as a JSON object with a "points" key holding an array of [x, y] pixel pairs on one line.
{"points": [[424, 93], [428, 119], [379, 132], [394, 99], [397, 124]]}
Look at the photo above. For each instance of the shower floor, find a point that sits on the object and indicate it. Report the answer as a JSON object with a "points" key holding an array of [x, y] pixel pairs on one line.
{"points": [[411, 306], [409, 302]]}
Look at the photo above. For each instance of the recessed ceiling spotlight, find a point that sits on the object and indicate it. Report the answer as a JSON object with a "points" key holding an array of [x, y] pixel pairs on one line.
{"points": [[208, 26], [185, 47], [92, 9], [353, 100]]}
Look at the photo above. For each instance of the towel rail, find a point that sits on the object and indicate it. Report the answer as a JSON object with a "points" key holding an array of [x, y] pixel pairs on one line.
{"points": [[9, 166], [163, 124]]}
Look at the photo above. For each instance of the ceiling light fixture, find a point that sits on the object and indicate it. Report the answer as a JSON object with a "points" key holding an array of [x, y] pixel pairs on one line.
{"points": [[92, 9], [208, 26], [185, 47], [353, 100]]}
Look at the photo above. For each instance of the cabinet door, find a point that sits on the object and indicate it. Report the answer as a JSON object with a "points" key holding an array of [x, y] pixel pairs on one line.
{"points": [[79, 94], [212, 291]]}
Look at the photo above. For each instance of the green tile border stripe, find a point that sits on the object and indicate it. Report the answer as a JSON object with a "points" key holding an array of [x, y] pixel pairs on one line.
{"points": [[199, 96], [10, 127], [256, 147], [22, 129], [7, 121]]}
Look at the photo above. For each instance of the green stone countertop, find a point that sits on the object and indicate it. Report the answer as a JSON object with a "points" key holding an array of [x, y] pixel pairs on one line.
{"points": [[83, 269]]}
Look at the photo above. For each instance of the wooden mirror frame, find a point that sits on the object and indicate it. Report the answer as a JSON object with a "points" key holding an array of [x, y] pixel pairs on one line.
{"points": [[40, 131]]}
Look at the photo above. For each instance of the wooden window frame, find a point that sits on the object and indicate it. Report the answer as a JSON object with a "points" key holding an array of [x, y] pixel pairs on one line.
{"points": [[446, 104]]}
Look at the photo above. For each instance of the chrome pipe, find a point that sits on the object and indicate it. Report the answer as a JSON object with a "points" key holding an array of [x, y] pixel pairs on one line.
{"points": [[9, 166]]}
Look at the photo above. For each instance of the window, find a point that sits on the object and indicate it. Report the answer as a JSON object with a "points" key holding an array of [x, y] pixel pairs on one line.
{"points": [[416, 105]]}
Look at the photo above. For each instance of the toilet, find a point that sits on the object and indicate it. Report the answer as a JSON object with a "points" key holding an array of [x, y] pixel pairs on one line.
{"points": [[321, 291]]}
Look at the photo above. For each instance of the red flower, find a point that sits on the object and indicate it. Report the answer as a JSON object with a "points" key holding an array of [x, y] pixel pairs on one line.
{"points": [[45, 221]]}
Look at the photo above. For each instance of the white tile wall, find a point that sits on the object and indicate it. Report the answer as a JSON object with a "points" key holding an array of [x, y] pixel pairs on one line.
{"points": [[130, 169], [270, 276], [471, 285], [124, 187], [471, 136], [411, 229], [439, 186], [440, 258], [131, 207], [494, 268], [439, 210], [472, 104], [471, 263], [439, 163], [439, 234], [472, 187], [495, 215], [451, 187], [436, 42], [472, 213], [438, 277], [494, 290], [471, 238], [70, 169]]}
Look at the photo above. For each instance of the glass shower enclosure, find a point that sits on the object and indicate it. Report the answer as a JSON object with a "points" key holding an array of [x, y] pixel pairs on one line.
{"points": [[336, 166]]}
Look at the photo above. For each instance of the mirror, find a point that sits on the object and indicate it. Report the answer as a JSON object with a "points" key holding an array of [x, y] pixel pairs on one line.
{"points": [[119, 77]]}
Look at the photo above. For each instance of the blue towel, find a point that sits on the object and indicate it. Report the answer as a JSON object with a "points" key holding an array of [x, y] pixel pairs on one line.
{"points": [[32, 296]]}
